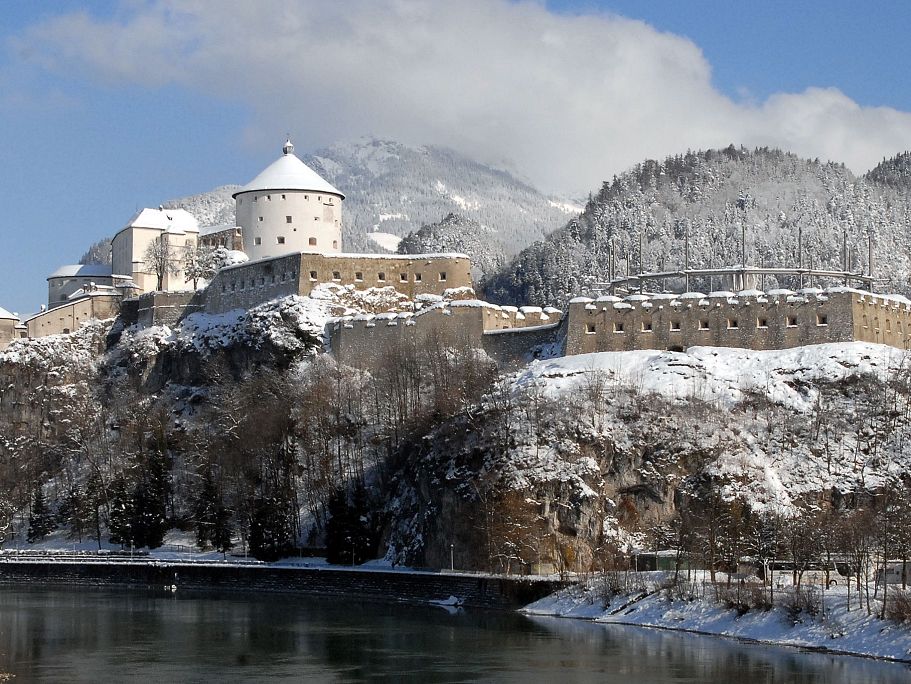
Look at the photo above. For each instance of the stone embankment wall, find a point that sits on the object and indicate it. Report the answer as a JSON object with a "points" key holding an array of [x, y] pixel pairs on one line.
{"points": [[475, 591], [749, 320]]}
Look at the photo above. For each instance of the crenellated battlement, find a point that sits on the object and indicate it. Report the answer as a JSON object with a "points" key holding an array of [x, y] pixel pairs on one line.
{"points": [[749, 319], [356, 340]]}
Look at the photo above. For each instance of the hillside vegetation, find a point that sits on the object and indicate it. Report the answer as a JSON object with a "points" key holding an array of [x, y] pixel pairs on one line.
{"points": [[714, 196]]}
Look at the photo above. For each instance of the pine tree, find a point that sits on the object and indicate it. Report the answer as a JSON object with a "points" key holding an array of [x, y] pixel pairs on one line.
{"points": [[271, 531], [350, 539], [221, 531], [120, 519], [150, 522], [41, 521], [206, 510]]}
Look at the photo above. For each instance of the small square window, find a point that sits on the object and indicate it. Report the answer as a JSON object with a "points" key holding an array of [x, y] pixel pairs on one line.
{"points": [[269, 197], [254, 198], [283, 197], [822, 319], [704, 324], [417, 277], [335, 244], [336, 275], [312, 242], [589, 328], [618, 327], [733, 324], [312, 275], [675, 325], [359, 277], [287, 219], [306, 197], [280, 239], [792, 321], [762, 322], [260, 219], [381, 277], [442, 276], [316, 218], [403, 277], [257, 241], [646, 326]]}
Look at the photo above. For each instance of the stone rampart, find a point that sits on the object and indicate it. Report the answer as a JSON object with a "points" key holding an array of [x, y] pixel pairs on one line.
{"points": [[246, 285], [779, 319], [513, 333], [474, 591], [167, 308]]}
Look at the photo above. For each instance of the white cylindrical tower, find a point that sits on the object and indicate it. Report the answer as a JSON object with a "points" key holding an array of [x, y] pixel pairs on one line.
{"points": [[289, 208]]}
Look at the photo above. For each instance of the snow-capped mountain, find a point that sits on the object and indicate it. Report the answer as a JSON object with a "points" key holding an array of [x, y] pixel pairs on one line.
{"points": [[714, 197], [395, 189]]}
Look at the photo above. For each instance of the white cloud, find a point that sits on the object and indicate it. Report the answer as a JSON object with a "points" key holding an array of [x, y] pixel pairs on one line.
{"points": [[568, 100]]}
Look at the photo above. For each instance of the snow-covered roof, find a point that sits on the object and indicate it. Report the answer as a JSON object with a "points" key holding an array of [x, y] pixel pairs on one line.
{"points": [[170, 220], [7, 315], [82, 271], [289, 173]]}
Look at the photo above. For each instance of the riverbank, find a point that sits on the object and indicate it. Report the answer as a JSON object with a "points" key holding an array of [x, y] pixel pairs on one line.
{"points": [[437, 588], [833, 629]]}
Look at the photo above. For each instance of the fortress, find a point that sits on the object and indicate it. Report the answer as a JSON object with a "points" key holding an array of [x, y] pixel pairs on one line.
{"points": [[289, 226]]}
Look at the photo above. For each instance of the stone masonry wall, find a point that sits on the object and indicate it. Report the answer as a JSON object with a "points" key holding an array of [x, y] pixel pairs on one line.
{"points": [[69, 317], [167, 308], [776, 320], [247, 285]]}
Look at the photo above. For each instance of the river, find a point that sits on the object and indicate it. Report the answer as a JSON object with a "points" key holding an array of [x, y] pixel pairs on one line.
{"points": [[87, 635]]}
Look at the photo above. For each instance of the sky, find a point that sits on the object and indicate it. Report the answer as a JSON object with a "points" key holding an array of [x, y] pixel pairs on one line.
{"points": [[108, 106]]}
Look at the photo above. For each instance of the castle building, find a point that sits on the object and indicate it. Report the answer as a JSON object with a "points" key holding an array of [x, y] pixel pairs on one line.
{"points": [[289, 208], [9, 328], [68, 280], [175, 228]]}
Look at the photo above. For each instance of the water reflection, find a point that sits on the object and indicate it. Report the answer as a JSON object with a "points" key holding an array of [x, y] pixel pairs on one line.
{"points": [[92, 636]]}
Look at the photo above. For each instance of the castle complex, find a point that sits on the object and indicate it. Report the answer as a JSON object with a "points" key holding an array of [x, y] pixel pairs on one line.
{"points": [[289, 227]]}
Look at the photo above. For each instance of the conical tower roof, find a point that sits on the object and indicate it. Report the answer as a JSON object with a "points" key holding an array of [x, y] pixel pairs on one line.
{"points": [[288, 173]]}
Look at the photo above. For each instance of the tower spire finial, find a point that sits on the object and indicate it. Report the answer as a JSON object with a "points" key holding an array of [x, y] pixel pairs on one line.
{"points": [[288, 147]]}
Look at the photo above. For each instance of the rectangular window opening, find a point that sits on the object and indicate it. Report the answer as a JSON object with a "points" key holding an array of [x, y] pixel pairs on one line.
{"points": [[733, 324], [618, 327], [704, 324], [675, 325], [792, 321], [403, 277], [589, 328], [381, 277], [280, 239], [313, 275], [358, 277], [336, 275], [822, 319], [646, 326]]}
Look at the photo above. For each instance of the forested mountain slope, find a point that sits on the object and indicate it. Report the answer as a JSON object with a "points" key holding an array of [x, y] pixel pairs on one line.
{"points": [[713, 195]]}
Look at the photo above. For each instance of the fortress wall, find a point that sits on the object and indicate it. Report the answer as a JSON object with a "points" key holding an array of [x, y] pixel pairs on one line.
{"points": [[524, 344], [412, 275], [231, 237], [767, 322], [882, 320], [69, 317], [167, 308], [247, 285], [364, 340]]}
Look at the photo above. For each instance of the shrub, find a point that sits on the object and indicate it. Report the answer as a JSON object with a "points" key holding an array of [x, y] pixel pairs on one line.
{"points": [[801, 601], [898, 606]]}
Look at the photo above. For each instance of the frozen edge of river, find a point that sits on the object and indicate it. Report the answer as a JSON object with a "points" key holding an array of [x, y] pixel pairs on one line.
{"points": [[839, 631]]}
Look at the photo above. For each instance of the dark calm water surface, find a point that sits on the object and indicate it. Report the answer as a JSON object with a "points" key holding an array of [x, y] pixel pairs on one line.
{"points": [[83, 635]]}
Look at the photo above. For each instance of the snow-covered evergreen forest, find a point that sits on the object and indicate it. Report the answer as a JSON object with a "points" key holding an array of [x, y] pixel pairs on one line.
{"points": [[715, 196]]}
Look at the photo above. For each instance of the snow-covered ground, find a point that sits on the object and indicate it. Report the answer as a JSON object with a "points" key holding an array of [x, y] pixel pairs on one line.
{"points": [[835, 628]]}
